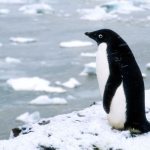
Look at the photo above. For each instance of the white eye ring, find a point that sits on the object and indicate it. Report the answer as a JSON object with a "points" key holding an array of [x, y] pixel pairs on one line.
{"points": [[100, 36]]}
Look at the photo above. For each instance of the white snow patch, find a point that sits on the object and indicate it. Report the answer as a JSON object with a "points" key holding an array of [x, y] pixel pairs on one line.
{"points": [[88, 54], [44, 100], [95, 14], [89, 69], [39, 8], [75, 43], [29, 118], [20, 40], [78, 130], [10, 60], [71, 83], [33, 84]]}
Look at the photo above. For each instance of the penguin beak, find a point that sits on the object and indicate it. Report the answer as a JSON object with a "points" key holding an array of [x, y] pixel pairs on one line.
{"points": [[87, 33]]}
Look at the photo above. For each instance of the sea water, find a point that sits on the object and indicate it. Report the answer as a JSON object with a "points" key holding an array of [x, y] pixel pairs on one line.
{"points": [[37, 52]]}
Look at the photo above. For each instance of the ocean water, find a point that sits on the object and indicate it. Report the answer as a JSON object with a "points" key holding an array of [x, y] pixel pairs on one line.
{"points": [[45, 59]]}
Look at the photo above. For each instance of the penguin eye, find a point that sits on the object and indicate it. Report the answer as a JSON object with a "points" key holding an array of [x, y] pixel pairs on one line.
{"points": [[100, 36]]}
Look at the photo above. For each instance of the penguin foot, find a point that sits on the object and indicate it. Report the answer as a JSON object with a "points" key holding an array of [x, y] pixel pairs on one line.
{"points": [[139, 128]]}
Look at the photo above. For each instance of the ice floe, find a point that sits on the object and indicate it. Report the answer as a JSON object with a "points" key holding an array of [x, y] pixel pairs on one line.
{"points": [[75, 43], [123, 7], [89, 69], [20, 40], [39, 8], [85, 129], [13, 1], [29, 118], [148, 65], [4, 11], [33, 84], [144, 75], [11, 60], [71, 83], [45, 100], [94, 14], [83, 54]]}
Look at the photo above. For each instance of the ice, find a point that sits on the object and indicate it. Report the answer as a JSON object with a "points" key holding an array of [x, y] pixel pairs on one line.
{"points": [[11, 60], [144, 75], [148, 65], [94, 14], [20, 40], [123, 7], [88, 54], [45, 100], [29, 118], [4, 11], [39, 8], [89, 69], [33, 84], [71, 83], [12, 1], [75, 43]]}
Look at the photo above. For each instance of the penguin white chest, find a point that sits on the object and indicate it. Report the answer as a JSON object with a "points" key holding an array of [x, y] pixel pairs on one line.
{"points": [[117, 114]]}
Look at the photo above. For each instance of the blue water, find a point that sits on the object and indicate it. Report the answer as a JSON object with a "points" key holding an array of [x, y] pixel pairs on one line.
{"points": [[59, 63]]}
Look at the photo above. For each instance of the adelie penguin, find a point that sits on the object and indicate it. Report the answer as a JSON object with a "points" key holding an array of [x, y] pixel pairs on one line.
{"points": [[120, 81]]}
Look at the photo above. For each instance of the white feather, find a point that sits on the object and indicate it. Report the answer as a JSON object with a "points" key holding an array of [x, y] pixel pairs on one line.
{"points": [[117, 114]]}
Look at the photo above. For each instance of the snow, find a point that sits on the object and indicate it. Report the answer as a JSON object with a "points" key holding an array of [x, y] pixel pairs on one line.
{"points": [[29, 118], [44, 100], [75, 43], [88, 54], [94, 14], [89, 69], [21, 40], [33, 84], [10, 60], [79, 130], [39, 8]]}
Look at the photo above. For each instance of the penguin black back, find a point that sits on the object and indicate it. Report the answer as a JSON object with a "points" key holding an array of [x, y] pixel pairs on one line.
{"points": [[124, 74]]}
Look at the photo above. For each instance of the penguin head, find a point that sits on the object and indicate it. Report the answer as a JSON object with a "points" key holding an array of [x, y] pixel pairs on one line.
{"points": [[103, 35]]}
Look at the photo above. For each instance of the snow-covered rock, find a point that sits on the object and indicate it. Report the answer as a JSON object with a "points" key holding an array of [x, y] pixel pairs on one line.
{"points": [[39, 8], [75, 43], [44, 100], [21, 40], [87, 129], [29, 118], [33, 84], [89, 69]]}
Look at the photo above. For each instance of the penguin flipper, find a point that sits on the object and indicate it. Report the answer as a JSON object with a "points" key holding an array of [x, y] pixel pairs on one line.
{"points": [[112, 84]]}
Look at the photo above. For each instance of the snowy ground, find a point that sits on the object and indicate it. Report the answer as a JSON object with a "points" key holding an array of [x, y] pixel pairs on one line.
{"points": [[83, 130]]}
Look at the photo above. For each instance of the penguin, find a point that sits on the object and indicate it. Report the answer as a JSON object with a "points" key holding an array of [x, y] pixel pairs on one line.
{"points": [[120, 81]]}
